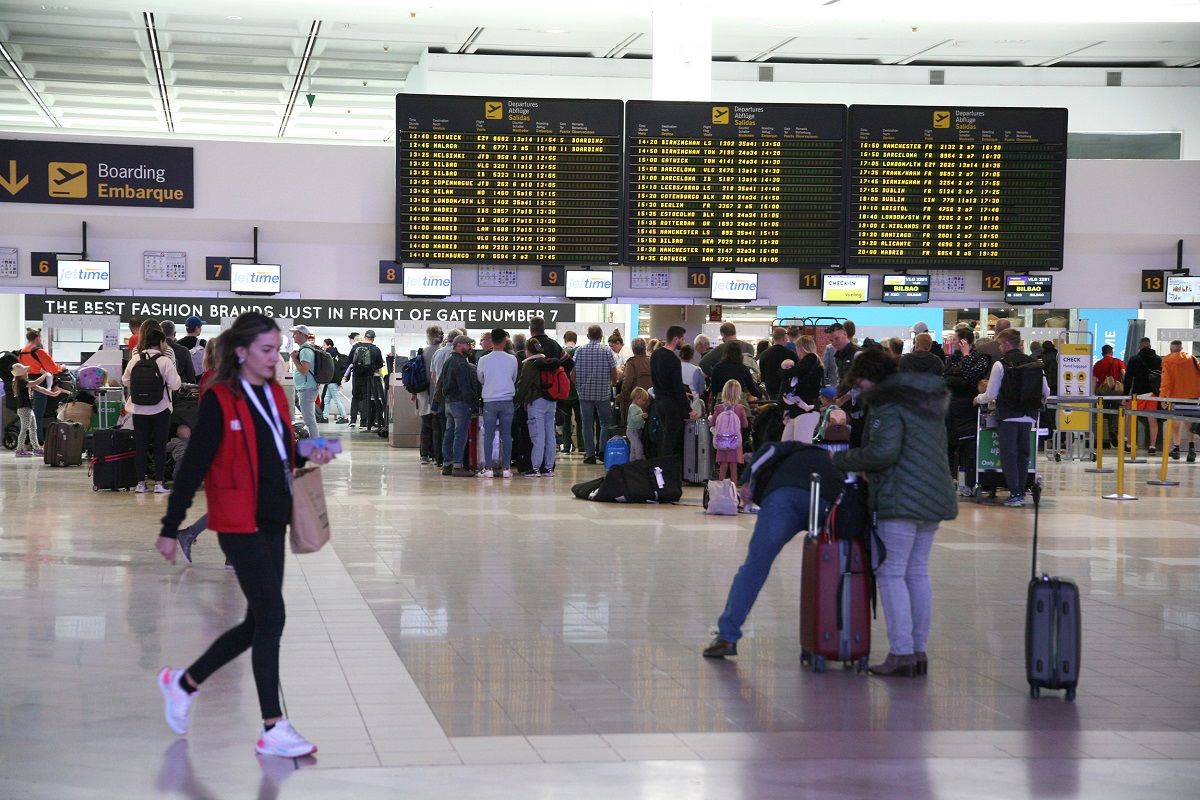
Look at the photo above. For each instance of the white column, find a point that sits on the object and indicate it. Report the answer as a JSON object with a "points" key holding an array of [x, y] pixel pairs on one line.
{"points": [[682, 65]]}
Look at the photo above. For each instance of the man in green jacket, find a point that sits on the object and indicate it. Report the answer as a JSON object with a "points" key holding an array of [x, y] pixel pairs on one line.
{"points": [[903, 457]]}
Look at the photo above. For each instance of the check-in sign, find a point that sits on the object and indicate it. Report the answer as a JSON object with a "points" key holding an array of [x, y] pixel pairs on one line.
{"points": [[82, 173]]}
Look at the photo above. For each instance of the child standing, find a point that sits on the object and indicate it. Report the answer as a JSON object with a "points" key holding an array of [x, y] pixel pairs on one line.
{"points": [[639, 401], [729, 421], [27, 442]]}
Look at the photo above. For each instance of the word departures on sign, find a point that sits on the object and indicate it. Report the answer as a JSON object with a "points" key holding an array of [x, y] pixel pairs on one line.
{"points": [[973, 188], [336, 313], [725, 185], [79, 173], [508, 180]]}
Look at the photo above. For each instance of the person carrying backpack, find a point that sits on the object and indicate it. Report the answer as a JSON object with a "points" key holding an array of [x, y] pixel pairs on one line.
{"points": [[365, 360], [460, 389], [1017, 385], [151, 377], [539, 384], [304, 377], [332, 395], [728, 422]]}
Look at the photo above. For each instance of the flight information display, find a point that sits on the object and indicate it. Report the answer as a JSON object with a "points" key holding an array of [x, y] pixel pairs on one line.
{"points": [[725, 184], [956, 187], [507, 180]]}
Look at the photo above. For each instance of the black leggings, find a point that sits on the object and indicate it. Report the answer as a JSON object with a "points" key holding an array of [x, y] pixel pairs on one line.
{"points": [[151, 430], [257, 560]]}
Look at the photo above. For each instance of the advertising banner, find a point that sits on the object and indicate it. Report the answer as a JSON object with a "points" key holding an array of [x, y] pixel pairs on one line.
{"points": [[335, 313]]}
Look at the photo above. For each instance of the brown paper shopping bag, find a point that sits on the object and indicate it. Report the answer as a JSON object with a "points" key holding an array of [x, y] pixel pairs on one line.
{"points": [[310, 518]]}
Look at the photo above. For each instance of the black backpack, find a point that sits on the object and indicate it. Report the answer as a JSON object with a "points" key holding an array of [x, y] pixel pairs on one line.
{"points": [[323, 366], [363, 359], [1021, 390], [146, 384]]}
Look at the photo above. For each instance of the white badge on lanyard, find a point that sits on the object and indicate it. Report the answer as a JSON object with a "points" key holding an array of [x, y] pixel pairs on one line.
{"points": [[274, 422]]}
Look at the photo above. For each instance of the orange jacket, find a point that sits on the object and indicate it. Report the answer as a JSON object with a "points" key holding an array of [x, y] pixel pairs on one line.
{"points": [[38, 361], [1180, 376]]}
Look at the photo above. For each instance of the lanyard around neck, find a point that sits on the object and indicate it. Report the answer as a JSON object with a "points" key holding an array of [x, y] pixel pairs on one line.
{"points": [[274, 422]]}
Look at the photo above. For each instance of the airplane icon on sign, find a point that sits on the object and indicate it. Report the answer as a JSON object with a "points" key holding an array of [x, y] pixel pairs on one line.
{"points": [[67, 176]]}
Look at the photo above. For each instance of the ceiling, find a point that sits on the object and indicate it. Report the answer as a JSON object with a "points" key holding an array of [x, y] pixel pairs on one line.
{"points": [[243, 69]]}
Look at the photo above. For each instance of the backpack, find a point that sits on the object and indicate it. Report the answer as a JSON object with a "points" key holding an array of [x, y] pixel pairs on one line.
{"points": [[414, 376], [727, 430], [1021, 390], [323, 367], [1155, 380], [362, 359], [555, 383], [198, 357], [343, 364], [146, 384]]}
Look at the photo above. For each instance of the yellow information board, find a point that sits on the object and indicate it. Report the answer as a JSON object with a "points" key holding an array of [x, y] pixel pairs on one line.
{"points": [[1074, 378]]}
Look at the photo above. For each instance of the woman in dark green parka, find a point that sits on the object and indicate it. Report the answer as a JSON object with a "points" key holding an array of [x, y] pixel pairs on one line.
{"points": [[903, 457]]}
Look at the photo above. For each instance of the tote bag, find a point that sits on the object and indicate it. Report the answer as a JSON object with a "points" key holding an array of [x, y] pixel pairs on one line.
{"points": [[310, 518]]}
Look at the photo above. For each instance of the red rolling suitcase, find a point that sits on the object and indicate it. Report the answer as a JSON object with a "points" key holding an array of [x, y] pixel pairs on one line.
{"points": [[835, 594]]}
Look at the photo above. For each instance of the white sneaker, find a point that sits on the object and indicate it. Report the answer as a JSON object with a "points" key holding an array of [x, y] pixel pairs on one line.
{"points": [[485, 473], [178, 703], [161, 489], [507, 473], [282, 740], [140, 488]]}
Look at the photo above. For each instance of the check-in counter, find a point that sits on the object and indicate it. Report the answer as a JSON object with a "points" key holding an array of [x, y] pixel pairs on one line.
{"points": [[406, 425]]}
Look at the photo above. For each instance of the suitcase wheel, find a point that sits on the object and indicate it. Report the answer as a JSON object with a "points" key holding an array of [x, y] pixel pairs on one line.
{"points": [[862, 664], [819, 664], [1071, 695], [805, 657], [1035, 691]]}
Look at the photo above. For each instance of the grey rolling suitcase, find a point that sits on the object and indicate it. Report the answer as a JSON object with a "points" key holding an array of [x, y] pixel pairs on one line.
{"points": [[64, 444], [697, 452], [1052, 627]]}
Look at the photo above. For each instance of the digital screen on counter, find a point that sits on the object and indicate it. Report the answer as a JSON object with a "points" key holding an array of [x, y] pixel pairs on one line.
{"points": [[906, 288], [942, 187], [1182, 290], [254, 278], [1027, 290], [838, 288], [727, 184], [508, 180], [83, 276], [427, 281]]}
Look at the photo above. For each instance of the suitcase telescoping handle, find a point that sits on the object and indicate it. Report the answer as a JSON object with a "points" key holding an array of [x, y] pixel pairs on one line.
{"points": [[1036, 491], [814, 507]]}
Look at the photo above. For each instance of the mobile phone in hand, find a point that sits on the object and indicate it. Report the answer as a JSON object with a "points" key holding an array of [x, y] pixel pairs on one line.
{"points": [[305, 447]]}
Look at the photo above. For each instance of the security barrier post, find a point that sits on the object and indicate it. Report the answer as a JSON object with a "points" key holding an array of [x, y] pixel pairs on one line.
{"points": [[1164, 439], [1132, 421], [1099, 469], [1120, 493]]}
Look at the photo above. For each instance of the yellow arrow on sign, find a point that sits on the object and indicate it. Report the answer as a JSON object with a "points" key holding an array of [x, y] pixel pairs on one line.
{"points": [[11, 183]]}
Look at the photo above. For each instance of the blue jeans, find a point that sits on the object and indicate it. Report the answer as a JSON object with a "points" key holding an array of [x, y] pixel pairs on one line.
{"points": [[784, 513], [39, 415], [308, 408], [588, 410], [904, 585], [1014, 454], [541, 431], [498, 412], [333, 397], [454, 441]]}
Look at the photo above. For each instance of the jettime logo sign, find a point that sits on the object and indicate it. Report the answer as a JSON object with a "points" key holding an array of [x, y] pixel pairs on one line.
{"points": [[79, 173], [254, 278], [589, 284], [735, 286], [427, 282], [90, 276]]}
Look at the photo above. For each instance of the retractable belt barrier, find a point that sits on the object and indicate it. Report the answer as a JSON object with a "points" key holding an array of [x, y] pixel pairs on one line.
{"points": [[1188, 414]]}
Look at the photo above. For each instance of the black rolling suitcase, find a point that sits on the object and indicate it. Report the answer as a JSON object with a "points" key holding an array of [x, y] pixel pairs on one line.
{"points": [[1052, 626], [112, 460]]}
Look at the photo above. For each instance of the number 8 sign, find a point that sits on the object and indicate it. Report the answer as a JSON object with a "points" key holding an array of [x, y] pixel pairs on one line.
{"points": [[390, 272]]}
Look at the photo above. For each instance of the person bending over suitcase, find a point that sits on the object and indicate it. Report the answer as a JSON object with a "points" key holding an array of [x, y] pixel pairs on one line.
{"points": [[782, 514], [243, 451], [904, 444]]}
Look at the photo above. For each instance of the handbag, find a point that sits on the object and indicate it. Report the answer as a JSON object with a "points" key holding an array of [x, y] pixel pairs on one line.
{"points": [[310, 517]]}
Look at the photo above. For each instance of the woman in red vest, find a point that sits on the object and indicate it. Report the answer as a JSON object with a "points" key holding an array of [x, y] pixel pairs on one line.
{"points": [[242, 450]]}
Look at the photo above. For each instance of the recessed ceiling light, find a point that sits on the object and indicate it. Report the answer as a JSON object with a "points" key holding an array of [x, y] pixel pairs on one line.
{"points": [[233, 17]]}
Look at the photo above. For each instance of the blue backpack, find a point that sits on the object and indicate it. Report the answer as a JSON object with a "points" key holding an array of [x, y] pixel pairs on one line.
{"points": [[414, 376]]}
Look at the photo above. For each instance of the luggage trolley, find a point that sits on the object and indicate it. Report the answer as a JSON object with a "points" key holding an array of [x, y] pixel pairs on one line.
{"points": [[989, 474]]}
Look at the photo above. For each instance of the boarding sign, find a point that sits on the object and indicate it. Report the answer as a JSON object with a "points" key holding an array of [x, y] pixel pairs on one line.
{"points": [[85, 173]]}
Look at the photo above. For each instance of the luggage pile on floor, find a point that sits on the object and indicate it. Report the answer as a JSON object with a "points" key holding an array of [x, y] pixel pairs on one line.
{"points": [[655, 480]]}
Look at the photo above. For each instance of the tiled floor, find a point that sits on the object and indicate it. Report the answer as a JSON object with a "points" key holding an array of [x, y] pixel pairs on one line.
{"points": [[470, 638]]}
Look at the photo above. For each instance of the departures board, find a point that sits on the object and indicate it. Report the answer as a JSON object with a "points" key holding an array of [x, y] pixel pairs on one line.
{"points": [[508, 180], [956, 187], [727, 184]]}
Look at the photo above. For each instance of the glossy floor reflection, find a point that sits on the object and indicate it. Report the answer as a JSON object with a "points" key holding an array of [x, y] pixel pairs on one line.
{"points": [[465, 637]]}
